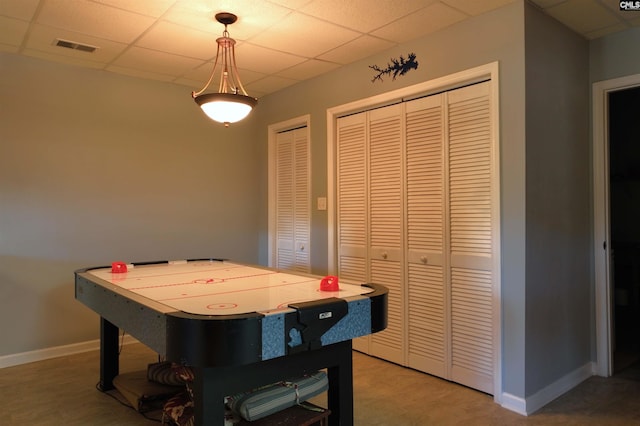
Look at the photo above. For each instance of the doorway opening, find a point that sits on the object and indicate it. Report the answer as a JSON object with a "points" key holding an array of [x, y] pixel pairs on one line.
{"points": [[624, 204], [615, 161]]}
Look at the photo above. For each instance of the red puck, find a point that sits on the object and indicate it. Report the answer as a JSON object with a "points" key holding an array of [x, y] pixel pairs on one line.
{"points": [[329, 283], [118, 267]]}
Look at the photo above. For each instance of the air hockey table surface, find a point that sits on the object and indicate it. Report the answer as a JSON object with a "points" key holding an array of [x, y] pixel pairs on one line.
{"points": [[221, 288]]}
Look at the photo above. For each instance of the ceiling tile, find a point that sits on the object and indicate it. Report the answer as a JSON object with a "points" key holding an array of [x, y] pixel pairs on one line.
{"points": [[179, 40], [268, 85], [253, 16], [78, 61], [547, 3], [92, 18], [625, 15], [425, 21], [194, 14], [312, 36], [7, 48], [308, 69], [139, 73], [605, 31], [20, 9], [362, 15], [261, 59], [357, 49], [475, 7], [291, 4], [156, 62], [199, 74], [193, 85], [583, 15], [13, 31], [155, 8], [247, 76]]}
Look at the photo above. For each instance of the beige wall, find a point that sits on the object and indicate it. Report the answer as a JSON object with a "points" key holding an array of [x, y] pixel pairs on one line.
{"points": [[559, 310], [615, 55], [97, 167]]}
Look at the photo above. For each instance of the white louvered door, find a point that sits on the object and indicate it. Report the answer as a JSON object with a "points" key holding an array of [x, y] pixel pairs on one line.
{"points": [[352, 200], [427, 293], [352, 204], [470, 221], [386, 225], [293, 201], [449, 236], [370, 211]]}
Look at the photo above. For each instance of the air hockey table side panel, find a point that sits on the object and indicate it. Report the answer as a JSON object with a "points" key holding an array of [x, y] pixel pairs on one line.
{"points": [[140, 317], [366, 315], [245, 340], [192, 339]]}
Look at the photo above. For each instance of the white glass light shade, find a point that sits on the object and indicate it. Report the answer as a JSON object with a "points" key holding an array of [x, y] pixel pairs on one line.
{"points": [[226, 107]]}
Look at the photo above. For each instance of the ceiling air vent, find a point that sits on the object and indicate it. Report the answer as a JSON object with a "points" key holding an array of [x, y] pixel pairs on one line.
{"points": [[76, 46]]}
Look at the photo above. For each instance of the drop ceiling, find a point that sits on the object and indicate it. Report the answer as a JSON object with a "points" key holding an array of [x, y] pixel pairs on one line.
{"points": [[279, 42]]}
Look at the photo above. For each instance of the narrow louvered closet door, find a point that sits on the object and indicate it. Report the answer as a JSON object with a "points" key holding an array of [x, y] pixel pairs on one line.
{"points": [[293, 208], [352, 204], [302, 200], [470, 203], [352, 198], [386, 221], [427, 301]]}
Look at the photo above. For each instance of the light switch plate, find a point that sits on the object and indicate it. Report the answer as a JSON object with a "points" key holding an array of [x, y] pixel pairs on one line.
{"points": [[322, 203]]}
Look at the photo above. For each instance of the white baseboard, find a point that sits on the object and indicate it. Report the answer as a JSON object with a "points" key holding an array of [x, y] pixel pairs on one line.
{"points": [[514, 403], [544, 396], [55, 352]]}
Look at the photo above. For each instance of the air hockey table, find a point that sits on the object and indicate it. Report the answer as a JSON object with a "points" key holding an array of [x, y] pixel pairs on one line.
{"points": [[238, 326]]}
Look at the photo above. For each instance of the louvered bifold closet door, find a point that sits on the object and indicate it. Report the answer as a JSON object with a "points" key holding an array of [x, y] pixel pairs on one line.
{"points": [[386, 221], [285, 257], [302, 200], [352, 203], [470, 173], [293, 208], [352, 198], [427, 338]]}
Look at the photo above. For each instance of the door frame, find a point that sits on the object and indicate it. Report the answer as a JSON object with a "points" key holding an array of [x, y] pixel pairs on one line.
{"points": [[602, 220], [273, 130], [474, 75]]}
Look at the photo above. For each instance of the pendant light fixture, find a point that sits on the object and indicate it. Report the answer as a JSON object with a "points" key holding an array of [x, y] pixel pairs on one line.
{"points": [[231, 102]]}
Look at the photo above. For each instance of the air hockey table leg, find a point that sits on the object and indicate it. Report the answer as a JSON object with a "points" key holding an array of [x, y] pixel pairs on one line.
{"points": [[208, 394], [340, 392], [109, 363]]}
